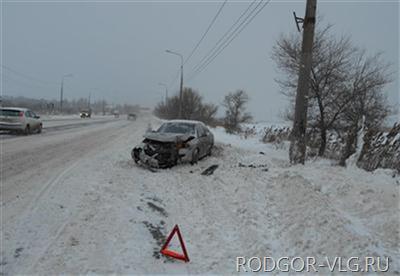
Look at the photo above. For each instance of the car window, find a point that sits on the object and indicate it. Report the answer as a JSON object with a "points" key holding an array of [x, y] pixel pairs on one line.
{"points": [[9, 112], [181, 128], [28, 114], [200, 131]]}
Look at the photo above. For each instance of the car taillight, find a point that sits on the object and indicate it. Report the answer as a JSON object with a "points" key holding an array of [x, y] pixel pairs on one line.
{"points": [[21, 114]]}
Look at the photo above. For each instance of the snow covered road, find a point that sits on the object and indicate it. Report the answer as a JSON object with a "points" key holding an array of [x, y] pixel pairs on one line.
{"points": [[54, 123], [74, 202]]}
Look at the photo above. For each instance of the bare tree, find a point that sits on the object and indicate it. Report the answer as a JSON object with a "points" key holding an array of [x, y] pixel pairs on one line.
{"points": [[235, 104], [335, 80], [364, 103], [193, 107]]}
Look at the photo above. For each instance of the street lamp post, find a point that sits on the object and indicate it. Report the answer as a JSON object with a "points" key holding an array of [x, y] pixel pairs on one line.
{"points": [[166, 91], [181, 86], [62, 90]]}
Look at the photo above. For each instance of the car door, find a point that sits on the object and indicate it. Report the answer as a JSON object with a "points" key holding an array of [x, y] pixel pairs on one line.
{"points": [[202, 145], [30, 119], [35, 121], [210, 138]]}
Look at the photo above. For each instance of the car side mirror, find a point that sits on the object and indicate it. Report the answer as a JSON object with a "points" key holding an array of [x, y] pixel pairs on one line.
{"points": [[37, 117]]}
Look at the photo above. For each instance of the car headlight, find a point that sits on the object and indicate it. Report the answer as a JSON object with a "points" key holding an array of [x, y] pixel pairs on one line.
{"points": [[181, 145]]}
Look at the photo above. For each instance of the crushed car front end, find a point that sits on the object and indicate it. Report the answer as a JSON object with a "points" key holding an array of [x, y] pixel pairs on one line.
{"points": [[162, 151]]}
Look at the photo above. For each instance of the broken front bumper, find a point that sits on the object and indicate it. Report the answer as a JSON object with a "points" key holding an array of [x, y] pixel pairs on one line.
{"points": [[163, 159], [139, 155]]}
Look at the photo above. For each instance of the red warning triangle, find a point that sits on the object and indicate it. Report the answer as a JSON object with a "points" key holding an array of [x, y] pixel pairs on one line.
{"points": [[168, 252]]}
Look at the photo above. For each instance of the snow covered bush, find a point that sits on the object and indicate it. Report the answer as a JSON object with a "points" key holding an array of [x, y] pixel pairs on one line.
{"points": [[275, 134], [381, 150]]}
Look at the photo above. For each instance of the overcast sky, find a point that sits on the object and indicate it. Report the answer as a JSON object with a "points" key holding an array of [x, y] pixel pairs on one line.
{"points": [[116, 50]]}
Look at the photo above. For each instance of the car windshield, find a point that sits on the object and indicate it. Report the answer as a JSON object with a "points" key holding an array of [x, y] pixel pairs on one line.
{"points": [[181, 128], [9, 112]]}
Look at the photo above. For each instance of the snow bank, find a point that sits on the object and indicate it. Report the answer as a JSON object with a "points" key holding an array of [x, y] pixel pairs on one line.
{"points": [[319, 209], [104, 215]]}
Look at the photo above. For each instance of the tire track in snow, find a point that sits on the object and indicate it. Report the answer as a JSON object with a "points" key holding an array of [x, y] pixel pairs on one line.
{"points": [[32, 225], [206, 213], [89, 223]]}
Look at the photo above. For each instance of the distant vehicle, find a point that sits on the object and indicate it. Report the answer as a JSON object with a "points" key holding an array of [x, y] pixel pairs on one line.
{"points": [[132, 116], [175, 141], [20, 120], [116, 113], [86, 113]]}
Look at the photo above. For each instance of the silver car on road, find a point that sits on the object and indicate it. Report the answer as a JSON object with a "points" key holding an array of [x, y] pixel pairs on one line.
{"points": [[175, 141], [20, 120]]}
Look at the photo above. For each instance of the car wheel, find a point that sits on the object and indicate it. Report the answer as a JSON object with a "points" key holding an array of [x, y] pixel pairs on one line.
{"points": [[195, 157], [39, 130], [27, 130]]}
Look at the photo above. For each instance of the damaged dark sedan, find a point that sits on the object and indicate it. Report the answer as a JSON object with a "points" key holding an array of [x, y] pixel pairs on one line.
{"points": [[174, 142]]}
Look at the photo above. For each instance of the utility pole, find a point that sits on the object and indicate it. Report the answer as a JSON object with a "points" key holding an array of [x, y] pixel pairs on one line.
{"points": [[62, 90], [297, 150], [61, 94]]}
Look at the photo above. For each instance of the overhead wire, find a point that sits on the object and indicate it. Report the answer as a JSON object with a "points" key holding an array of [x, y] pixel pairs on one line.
{"points": [[206, 32], [229, 40], [27, 76], [199, 42], [35, 82], [15, 81], [224, 35]]}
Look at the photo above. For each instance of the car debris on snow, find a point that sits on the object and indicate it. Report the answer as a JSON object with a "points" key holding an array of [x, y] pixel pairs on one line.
{"points": [[253, 166], [210, 170]]}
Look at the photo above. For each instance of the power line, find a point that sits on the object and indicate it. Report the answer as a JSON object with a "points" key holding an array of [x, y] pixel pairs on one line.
{"points": [[16, 81], [199, 42], [207, 30], [224, 36], [233, 35], [27, 76], [240, 28], [35, 81], [27, 83]]}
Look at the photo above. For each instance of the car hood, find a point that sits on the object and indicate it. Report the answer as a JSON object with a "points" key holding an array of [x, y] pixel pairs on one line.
{"points": [[167, 137]]}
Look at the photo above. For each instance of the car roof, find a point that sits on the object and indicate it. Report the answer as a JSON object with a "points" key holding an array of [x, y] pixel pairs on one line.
{"points": [[186, 122], [14, 108]]}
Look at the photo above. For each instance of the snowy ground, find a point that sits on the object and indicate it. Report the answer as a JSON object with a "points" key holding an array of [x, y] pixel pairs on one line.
{"points": [[74, 202]]}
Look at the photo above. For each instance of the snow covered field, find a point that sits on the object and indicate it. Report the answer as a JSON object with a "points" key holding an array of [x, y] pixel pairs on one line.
{"points": [[74, 202]]}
